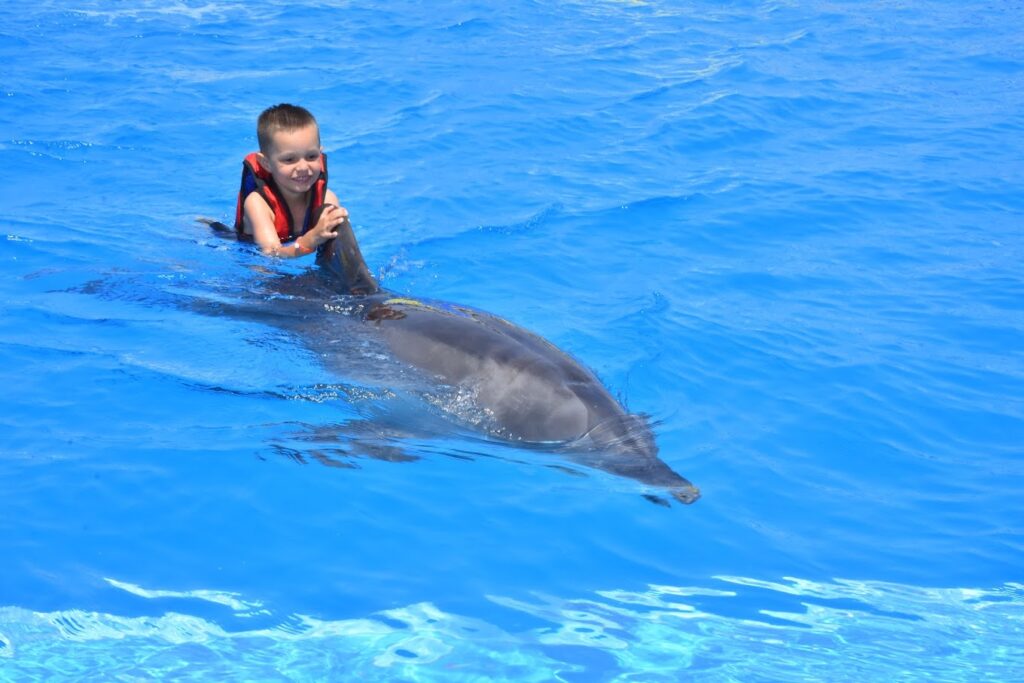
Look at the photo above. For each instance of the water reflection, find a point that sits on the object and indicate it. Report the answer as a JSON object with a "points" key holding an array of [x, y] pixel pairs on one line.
{"points": [[839, 630]]}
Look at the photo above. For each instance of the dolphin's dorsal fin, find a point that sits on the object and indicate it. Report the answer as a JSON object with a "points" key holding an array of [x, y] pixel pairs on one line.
{"points": [[341, 257]]}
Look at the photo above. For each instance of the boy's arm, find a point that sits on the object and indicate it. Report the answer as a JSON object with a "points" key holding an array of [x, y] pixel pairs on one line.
{"points": [[332, 215], [260, 220]]}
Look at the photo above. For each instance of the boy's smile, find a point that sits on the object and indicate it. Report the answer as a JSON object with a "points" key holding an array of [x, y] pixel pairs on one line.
{"points": [[294, 159]]}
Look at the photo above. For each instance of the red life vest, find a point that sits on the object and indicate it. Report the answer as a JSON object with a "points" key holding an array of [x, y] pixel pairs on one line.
{"points": [[255, 178]]}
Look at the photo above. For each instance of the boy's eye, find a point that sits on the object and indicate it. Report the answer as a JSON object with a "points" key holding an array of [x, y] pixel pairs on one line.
{"points": [[312, 157]]}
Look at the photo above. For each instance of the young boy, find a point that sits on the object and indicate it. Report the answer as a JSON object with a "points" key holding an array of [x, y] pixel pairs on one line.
{"points": [[284, 184]]}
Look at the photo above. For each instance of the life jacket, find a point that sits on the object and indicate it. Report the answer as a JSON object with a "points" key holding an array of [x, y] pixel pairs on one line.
{"points": [[255, 178]]}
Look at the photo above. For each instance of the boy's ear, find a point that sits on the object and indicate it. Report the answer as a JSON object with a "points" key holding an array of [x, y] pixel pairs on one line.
{"points": [[264, 162]]}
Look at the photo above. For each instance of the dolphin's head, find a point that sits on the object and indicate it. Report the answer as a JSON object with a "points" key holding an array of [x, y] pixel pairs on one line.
{"points": [[625, 434], [632, 452]]}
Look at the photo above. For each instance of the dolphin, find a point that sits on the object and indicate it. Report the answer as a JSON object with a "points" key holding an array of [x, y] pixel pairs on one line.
{"points": [[531, 391]]}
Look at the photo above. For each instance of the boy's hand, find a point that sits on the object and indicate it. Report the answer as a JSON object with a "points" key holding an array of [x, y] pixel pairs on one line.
{"points": [[327, 226]]}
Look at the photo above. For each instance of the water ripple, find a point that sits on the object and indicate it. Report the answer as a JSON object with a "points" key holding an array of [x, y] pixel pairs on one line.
{"points": [[818, 629]]}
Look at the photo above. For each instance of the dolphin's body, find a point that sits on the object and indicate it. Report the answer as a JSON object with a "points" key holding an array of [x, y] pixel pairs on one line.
{"points": [[530, 390]]}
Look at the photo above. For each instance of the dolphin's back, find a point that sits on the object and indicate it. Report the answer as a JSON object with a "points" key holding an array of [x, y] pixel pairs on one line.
{"points": [[535, 391]]}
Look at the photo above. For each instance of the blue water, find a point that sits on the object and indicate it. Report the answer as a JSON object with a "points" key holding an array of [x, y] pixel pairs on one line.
{"points": [[791, 233]]}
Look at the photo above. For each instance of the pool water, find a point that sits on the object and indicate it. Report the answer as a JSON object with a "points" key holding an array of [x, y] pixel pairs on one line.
{"points": [[790, 233]]}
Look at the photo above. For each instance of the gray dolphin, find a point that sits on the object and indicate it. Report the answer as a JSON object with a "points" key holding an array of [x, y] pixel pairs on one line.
{"points": [[532, 391]]}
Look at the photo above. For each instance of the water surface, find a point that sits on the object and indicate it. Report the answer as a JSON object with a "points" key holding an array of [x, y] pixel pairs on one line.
{"points": [[788, 232]]}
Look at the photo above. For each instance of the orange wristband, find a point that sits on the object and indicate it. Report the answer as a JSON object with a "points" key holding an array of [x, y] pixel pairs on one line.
{"points": [[301, 250]]}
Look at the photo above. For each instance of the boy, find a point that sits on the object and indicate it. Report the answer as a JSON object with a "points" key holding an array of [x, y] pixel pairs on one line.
{"points": [[284, 184]]}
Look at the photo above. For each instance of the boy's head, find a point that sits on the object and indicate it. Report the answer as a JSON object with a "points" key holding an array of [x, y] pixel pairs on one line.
{"points": [[290, 147], [281, 117]]}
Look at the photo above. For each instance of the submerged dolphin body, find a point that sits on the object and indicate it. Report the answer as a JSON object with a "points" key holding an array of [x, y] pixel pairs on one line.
{"points": [[531, 390]]}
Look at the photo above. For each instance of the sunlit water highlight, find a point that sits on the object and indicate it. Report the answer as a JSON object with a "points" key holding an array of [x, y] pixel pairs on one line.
{"points": [[655, 634]]}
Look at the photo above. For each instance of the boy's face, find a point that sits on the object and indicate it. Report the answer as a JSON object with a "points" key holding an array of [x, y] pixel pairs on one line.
{"points": [[294, 159]]}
